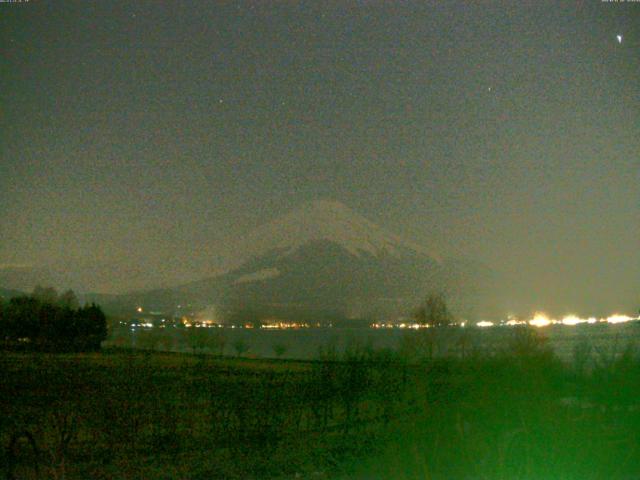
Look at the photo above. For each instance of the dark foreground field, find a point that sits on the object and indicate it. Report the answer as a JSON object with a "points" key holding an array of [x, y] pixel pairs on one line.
{"points": [[520, 414]]}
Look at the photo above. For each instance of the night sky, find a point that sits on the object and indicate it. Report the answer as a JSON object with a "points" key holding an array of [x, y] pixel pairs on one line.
{"points": [[155, 133]]}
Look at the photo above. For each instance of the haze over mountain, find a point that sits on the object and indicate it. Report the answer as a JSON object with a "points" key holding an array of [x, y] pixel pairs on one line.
{"points": [[324, 259], [87, 276], [331, 221], [321, 257], [141, 141], [324, 255]]}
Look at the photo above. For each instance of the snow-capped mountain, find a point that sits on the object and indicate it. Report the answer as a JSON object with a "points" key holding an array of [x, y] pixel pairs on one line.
{"points": [[323, 259], [332, 221], [319, 260]]}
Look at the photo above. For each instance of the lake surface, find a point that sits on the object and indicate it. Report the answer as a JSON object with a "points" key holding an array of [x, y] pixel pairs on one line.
{"points": [[602, 339]]}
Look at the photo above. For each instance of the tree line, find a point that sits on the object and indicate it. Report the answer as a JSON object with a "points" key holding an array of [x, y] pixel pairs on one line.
{"points": [[46, 321]]}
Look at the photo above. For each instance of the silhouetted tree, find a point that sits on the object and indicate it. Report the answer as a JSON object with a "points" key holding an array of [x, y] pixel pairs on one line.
{"points": [[428, 342], [434, 311], [92, 327], [68, 299], [45, 294], [528, 341], [37, 323], [56, 327], [22, 319], [2, 317]]}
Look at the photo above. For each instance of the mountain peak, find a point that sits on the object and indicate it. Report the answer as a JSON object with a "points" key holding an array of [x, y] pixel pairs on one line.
{"points": [[327, 220], [324, 215]]}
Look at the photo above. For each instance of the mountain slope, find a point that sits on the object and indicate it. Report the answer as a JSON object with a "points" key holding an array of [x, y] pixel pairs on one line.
{"points": [[330, 221], [324, 261], [327, 259]]}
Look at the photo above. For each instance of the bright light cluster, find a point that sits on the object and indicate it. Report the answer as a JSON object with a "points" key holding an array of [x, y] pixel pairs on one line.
{"points": [[412, 326], [619, 319], [513, 322], [383, 325], [572, 320], [540, 320], [484, 324], [282, 325]]}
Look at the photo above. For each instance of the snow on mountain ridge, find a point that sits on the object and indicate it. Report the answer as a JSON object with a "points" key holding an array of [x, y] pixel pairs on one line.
{"points": [[264, 274], [332, 221]]}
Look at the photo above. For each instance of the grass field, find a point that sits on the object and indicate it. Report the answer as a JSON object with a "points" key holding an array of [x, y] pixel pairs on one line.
{"points": [[516, 415]]}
